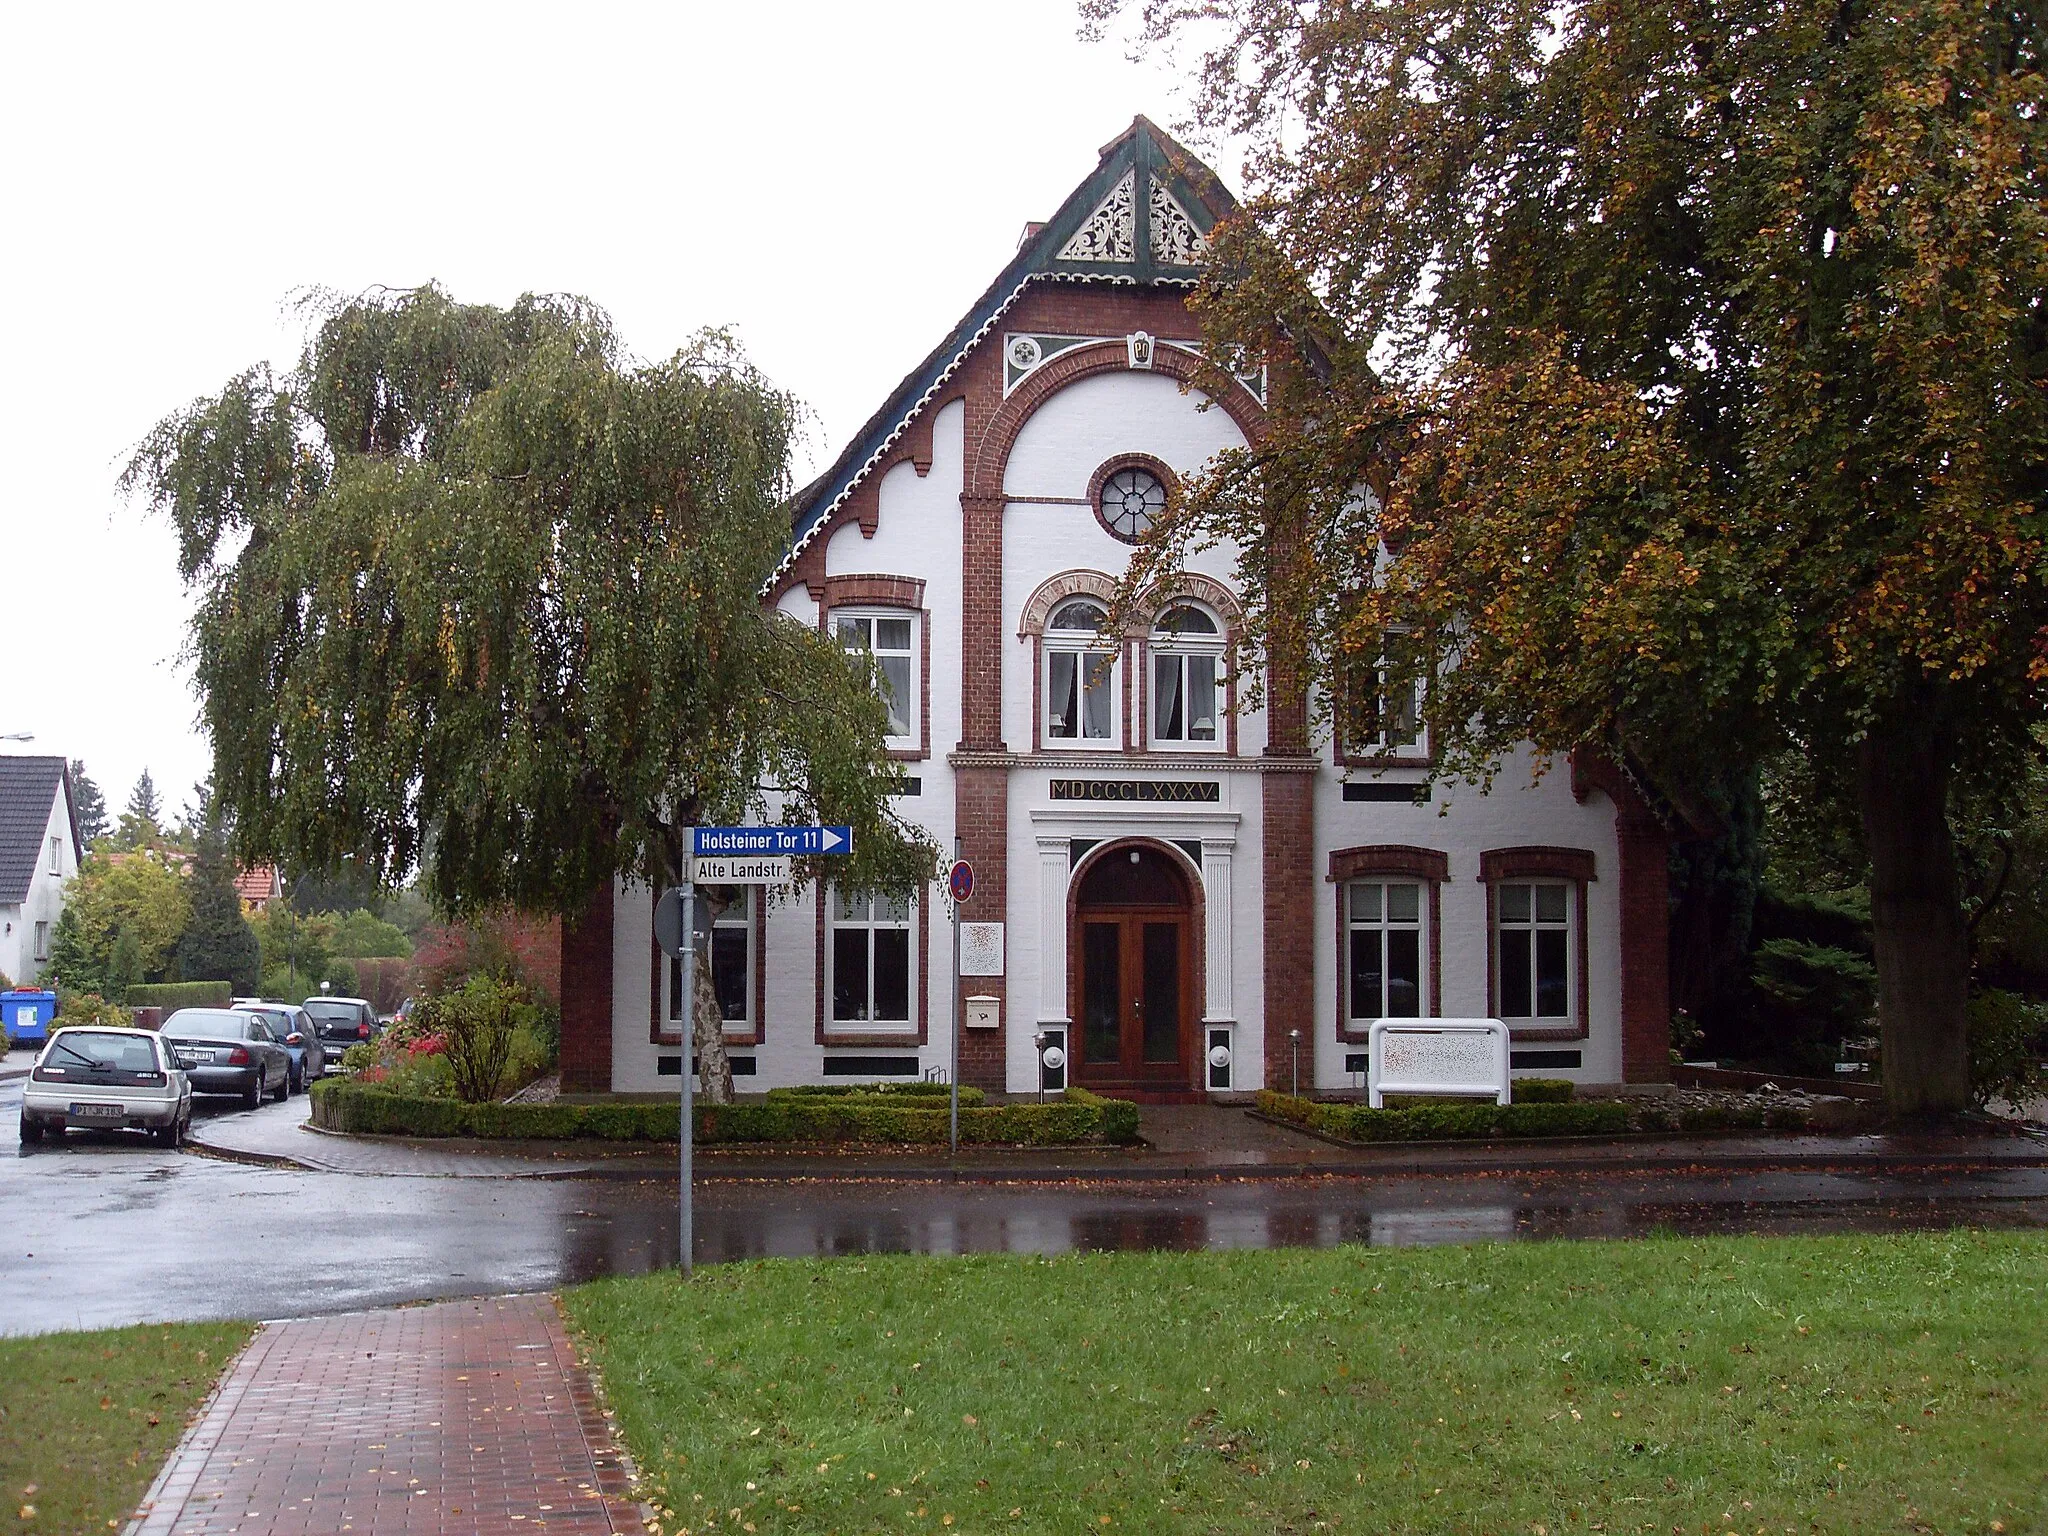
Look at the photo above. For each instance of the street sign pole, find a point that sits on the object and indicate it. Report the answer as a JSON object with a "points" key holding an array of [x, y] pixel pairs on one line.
{"points": [[689, 1126], [953, 1120]]}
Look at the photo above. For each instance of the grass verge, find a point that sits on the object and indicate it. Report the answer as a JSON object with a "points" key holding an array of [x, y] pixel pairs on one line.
{"points": [[1733, 1384], [86, 1419]]}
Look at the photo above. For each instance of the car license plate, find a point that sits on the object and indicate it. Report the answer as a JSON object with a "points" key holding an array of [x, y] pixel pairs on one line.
{"points": [[194, 1058], [98, 1111]]}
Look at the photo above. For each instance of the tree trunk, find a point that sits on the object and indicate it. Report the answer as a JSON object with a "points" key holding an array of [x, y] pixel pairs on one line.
{"points": [[1922, 949], [714, 1067]]}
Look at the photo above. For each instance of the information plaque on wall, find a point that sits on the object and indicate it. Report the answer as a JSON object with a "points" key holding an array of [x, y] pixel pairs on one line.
{"points": [[981, 949]]}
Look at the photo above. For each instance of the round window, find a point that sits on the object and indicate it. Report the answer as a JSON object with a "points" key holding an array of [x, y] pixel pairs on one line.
{"points": [[1130, 503]]}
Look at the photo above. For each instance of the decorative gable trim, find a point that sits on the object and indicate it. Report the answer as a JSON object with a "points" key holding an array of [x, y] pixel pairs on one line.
{"points": [[1110, 233], [1142, 149]]}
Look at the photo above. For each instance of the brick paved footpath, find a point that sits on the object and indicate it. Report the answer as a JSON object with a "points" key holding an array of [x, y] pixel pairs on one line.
{"points": [[466, 1418]]}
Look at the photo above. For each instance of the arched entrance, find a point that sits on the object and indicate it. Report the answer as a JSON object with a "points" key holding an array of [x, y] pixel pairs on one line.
{"points": [[1133, 986]]}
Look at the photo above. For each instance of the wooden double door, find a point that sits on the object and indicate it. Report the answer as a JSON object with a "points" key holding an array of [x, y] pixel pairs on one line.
{"points": [[1133, 983]]}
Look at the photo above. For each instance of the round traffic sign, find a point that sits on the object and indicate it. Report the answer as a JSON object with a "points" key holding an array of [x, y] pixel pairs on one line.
{"points": [[960, 880]]}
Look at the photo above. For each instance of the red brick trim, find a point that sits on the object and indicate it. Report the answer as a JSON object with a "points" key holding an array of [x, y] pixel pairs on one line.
{"points": [[990, 456], [920, 986], [854, 590], [1287, 868], [1541, 863], [981, 816], [1382, 861], [586, 1049], [1054, 590], [1389, 859], [1536, 862], [907, 593]]}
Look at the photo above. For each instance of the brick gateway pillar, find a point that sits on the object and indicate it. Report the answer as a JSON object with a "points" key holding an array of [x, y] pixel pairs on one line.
{"points": [[587, 996]]}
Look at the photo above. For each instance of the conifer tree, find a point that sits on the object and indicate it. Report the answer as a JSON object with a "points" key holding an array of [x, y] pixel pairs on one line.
{"points": [[89, 804]]}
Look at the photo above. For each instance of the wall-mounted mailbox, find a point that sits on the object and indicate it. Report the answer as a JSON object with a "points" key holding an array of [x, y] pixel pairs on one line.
{"points": [[984, 1012]]}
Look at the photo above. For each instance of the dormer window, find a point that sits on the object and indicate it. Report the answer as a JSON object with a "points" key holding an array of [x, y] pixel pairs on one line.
{"points": [[1187, 680]]}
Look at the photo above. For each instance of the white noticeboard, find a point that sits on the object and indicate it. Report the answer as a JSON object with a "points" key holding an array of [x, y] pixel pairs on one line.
{"points": [[981, 949], [1438, 1056]]}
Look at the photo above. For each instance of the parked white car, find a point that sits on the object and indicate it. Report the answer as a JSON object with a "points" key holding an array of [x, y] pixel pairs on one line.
{"points": [[95, 1077]]}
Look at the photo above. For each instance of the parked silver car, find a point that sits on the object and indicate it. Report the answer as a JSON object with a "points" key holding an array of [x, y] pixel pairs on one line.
{"points": [[224, 1050], [100, 1078]]}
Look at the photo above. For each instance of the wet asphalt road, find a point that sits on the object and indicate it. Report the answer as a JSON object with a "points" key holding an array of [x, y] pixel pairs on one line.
{"points": [[106, 1230]]}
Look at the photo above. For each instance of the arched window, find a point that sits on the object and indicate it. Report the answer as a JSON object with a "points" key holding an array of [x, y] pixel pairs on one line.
{"points": [[1080, 676], [1187, 678]]}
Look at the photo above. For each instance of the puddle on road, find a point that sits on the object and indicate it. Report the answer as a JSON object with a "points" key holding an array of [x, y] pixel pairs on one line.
{"points": [[819, 1221]]}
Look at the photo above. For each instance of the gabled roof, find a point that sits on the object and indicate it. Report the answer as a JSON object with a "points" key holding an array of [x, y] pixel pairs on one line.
{"points": [[1142, 217], [29, 786], [258, 884]]}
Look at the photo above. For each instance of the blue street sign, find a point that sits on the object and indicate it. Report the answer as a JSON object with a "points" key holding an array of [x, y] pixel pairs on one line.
{"points": [[770, 842], [960, 880]]}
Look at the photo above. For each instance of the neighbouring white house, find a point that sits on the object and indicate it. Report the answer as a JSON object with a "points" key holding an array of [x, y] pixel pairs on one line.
{"points": [[1181, 884], [38, 855]]}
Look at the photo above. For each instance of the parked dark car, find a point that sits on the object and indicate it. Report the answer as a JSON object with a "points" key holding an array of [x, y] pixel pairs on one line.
{"points": [[294, 1029], [342, 1022], [224, 1050]]}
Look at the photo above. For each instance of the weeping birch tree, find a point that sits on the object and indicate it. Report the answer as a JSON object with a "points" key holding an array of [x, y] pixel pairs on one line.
{"points": [[474, 593]]}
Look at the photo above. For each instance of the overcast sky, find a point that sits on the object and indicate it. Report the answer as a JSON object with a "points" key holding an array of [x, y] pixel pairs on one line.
{"points": [[835, 181]]}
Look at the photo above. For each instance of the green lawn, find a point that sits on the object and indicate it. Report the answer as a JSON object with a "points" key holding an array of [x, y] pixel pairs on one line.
{"points": [[1724, 1385], [87, 1419]]}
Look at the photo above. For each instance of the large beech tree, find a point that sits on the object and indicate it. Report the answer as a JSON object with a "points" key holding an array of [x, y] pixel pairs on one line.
{"points": [[475, 592], [1695, 353]]}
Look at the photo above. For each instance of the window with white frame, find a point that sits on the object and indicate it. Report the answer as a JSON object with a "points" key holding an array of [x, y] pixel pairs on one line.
{"points": [[1080, 677], [732, 968], [42, 941], [1384, 942], [1379, 714], [890, 638], [56, 855], [1533, 951], [1187, 678], [870, 948]]}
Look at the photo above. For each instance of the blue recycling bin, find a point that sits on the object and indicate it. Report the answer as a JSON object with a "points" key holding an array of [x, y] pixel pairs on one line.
{"points": [[27, 1014]]}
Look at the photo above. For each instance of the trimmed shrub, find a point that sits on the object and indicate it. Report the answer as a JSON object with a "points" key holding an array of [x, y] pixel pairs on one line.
{"points": [[1119, 1116], [898, 1091], [368, 1109], [1543, 1090], [1447, 1122], [173, 995]]}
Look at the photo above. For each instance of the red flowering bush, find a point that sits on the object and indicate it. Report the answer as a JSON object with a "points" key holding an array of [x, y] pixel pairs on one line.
{"points": [[427, 1045]]}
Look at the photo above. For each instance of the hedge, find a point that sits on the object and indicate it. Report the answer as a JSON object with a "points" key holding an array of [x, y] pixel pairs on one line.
{"points": [[340, 1104], [1447, 1122], [173, 995], [916, 1089]]}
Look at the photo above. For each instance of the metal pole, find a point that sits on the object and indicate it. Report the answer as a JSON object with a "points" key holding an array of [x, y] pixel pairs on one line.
{"points": [[953, 1092], [689, 1125], [1295, 1036]]}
